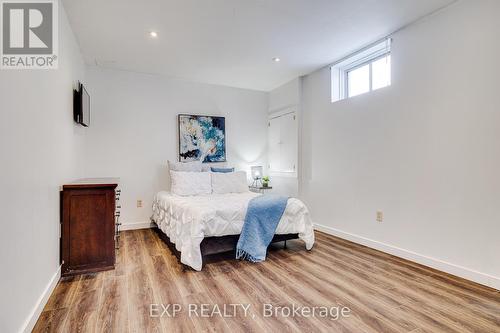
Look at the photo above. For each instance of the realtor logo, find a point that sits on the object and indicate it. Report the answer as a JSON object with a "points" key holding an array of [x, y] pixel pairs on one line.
{"points": [[29, 34]]}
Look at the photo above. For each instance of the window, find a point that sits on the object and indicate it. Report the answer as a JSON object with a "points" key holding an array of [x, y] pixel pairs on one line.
{"points": [[358, 81], [371, 76], [381, 72], [362, 72]]}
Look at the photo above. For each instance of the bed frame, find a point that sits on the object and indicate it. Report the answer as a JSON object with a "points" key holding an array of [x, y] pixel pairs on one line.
{"points": [[214, 248]]}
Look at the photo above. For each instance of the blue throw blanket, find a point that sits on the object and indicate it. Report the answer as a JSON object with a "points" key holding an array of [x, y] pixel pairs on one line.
{"points": [[263, 215]]}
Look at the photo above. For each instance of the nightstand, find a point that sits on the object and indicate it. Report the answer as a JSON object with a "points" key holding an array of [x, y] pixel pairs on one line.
{"points": [[260, 189]]}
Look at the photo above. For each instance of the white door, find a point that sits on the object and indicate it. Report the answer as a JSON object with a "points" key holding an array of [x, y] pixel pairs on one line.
{"points": [[283, 144]]}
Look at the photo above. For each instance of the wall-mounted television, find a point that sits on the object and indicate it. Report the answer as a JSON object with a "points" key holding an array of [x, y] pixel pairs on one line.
{"points": [[81, 106]]}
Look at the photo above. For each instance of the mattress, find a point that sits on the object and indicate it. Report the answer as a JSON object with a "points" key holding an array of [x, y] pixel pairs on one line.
{"points": [[187, 220]]}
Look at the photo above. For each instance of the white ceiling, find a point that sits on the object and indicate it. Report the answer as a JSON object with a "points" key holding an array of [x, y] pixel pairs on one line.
{"points": [[232, 42]]}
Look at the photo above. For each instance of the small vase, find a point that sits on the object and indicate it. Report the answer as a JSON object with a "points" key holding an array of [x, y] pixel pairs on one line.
{"points": [[265, 184]]}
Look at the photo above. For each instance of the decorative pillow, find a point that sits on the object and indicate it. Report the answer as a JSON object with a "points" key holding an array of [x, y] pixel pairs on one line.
{"points": [[222, 170], [232, 182], [190, 183], [194, 166]]}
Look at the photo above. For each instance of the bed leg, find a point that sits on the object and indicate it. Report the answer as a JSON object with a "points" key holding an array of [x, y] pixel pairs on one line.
{"points": [[284, 245]]}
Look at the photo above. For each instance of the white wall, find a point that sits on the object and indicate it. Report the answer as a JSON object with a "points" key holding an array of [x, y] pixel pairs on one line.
{"points": [[286, 97], [425, 150], [41, 149], [133, 130]]}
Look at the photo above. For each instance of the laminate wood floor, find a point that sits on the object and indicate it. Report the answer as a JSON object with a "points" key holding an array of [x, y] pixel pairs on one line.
{"points": [[384, 293]]}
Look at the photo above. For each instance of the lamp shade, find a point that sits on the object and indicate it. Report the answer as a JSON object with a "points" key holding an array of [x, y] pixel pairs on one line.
{"points": [[257, 172]]}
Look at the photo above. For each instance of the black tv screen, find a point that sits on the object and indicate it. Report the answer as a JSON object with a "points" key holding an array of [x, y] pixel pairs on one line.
{"points": [[81, 106]]}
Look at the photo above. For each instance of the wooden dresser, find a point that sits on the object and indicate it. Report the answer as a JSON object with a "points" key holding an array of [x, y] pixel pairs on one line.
{"points": [[88, 225]]}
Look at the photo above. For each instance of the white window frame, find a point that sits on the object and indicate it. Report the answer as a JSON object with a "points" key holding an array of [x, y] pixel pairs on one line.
{"points": [[370, 70], [340, 69]]}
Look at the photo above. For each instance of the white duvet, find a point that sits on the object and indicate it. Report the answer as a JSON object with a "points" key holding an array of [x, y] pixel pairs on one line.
{"points": [[187, 220]]}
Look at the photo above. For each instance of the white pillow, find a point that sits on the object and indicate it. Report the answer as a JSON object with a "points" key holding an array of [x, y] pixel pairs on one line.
{"points": [[231, 182], [195, 166], [190, 183]]}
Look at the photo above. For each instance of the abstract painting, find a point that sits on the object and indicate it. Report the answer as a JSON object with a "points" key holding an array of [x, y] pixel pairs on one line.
{"points": [[202, 138]]}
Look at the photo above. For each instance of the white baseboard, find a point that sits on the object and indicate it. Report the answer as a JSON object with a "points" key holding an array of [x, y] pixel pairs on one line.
{"points": [[463, 272], [136, 225], [30, 322]]}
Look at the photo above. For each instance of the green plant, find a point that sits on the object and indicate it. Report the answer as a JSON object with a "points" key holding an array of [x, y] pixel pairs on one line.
{"points": [[265, 181]]}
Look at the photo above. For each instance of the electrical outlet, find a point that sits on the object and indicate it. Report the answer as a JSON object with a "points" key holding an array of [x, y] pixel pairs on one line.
{"points": [[139, 203], [380, 216]]}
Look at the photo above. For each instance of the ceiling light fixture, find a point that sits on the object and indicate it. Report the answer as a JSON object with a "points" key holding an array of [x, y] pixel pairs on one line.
{"points": [[276, 59], [153, 34]]}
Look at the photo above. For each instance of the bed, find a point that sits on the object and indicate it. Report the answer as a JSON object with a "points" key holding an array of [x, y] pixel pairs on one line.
{"points": [[186, 221]]}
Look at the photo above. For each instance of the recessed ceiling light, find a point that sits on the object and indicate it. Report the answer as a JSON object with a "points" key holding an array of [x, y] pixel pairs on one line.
{"points": [[153, 34], [276, 59]]}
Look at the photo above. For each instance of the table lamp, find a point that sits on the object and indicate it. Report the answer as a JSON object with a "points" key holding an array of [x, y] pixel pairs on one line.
{"points": [[257, 172]]}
